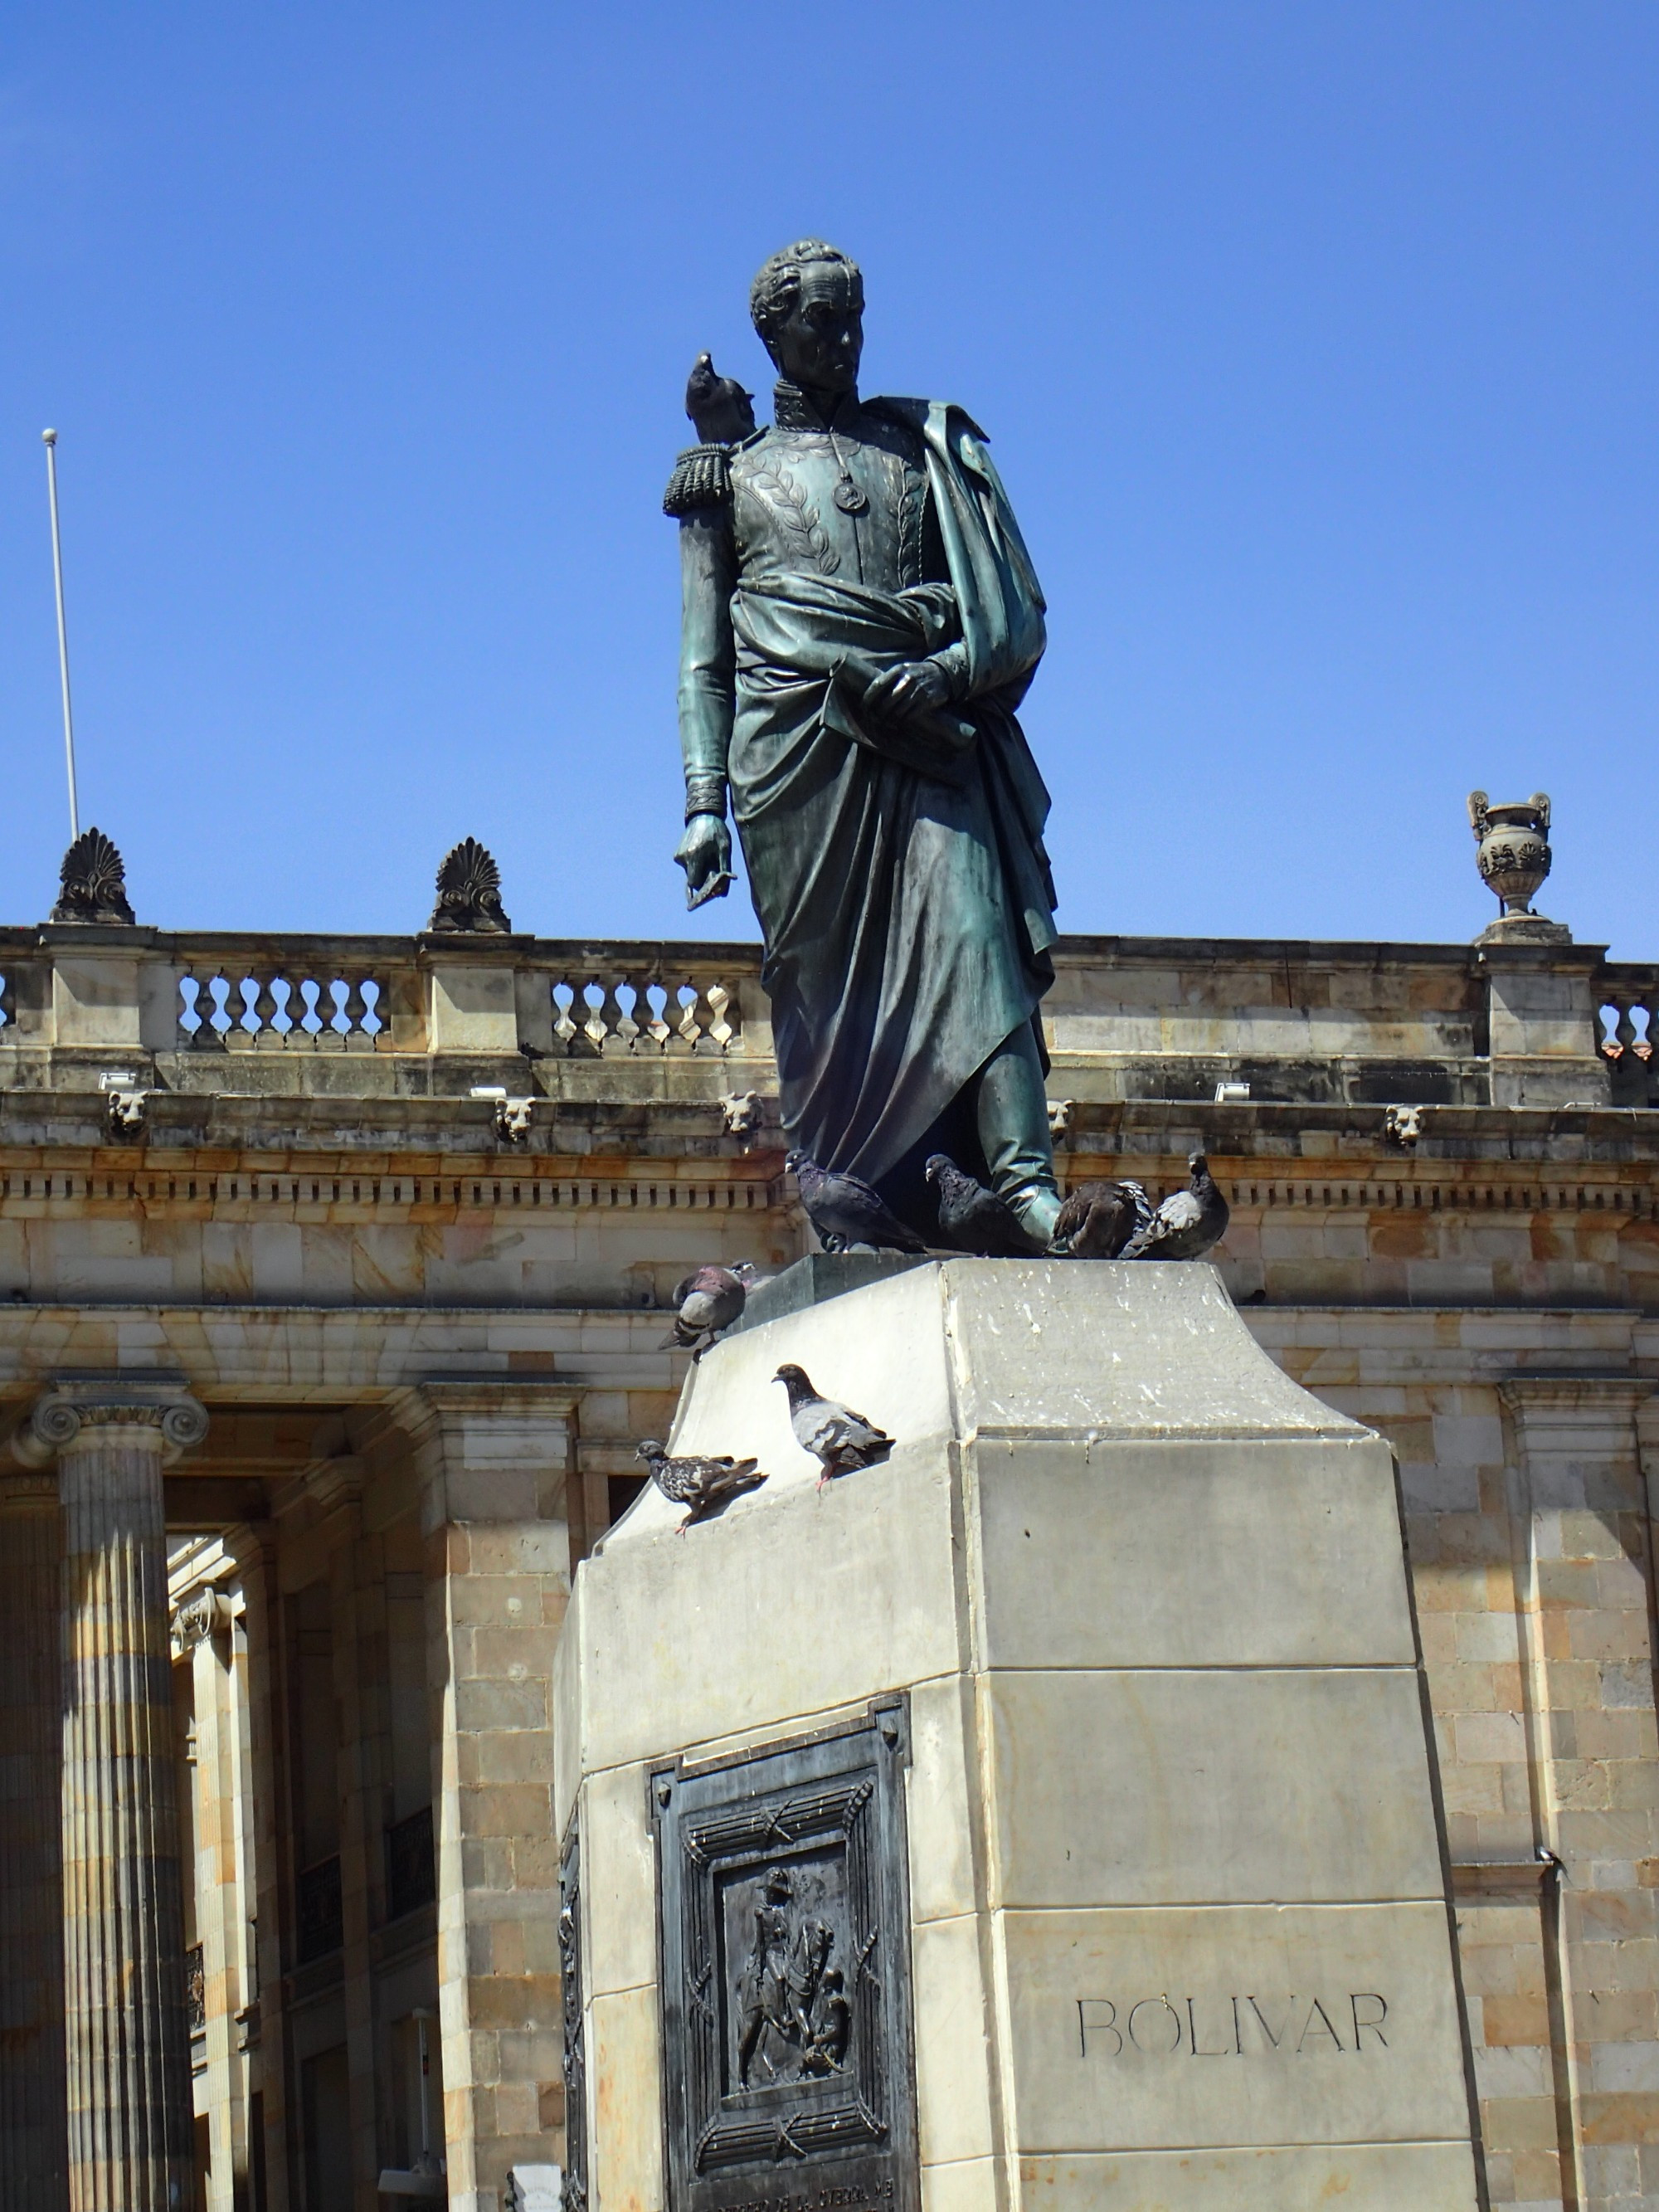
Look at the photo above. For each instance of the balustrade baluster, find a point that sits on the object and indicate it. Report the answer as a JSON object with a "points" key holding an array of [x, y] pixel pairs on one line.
{"points": [[220, 1020], [264, 1011], [688, 1024], [627, 1027], [593, 1029], [720, 1029], [656, 1027], [564, 1026], [357, 1009]]}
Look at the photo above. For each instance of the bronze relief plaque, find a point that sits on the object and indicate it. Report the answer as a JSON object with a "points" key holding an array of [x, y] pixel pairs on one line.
{"points": [[783, 1918]]}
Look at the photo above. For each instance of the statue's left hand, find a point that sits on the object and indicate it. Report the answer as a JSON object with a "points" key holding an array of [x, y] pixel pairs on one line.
{"points": [[912, 687]]}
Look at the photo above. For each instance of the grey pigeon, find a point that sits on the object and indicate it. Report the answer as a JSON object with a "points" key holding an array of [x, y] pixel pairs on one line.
{"points": [[838, 1438], [975, 1220], [845, 1210], [704, 1485], [722, 410], [1098, 1219], [708, 1301], [1186, 1223]]}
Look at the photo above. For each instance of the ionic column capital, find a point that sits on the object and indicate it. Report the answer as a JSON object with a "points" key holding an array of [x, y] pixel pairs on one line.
{"points": [[72, 1405]]}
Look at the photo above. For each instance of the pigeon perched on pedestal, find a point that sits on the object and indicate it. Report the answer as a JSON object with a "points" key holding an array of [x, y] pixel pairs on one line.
{"points": [[975, 1220], [722, 410], [704, 1485], [1187, 1223], [706, 1302], [1098, 1219], [845, 1210], [838, 1438]]}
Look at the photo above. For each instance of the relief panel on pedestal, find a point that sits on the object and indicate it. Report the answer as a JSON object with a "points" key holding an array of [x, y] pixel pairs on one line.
{"points": [[788, 2084]]}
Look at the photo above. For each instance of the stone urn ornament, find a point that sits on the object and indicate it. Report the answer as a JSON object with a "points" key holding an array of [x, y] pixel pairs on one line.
{"points": [[1513, 855]]}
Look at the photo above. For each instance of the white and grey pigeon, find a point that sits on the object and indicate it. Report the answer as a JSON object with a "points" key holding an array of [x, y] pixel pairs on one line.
{"points": [[1187, 1223], [838, 1438], [845, 1210], [708, 1301], [704, 1485]]}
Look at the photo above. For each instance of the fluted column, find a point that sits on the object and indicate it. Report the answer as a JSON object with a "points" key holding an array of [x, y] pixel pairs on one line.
{"points": [[34, 2138], [127, 2039]]}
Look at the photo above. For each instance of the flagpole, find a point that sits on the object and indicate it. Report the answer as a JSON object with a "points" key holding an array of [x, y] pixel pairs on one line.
{"points": [[49, 438]]}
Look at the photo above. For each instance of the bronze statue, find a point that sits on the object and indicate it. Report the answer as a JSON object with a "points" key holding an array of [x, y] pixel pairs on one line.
{"points": [[862, 621]]}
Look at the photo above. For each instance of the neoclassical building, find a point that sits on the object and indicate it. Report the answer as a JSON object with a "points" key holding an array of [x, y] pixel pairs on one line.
{"points": [[332, 1286]]}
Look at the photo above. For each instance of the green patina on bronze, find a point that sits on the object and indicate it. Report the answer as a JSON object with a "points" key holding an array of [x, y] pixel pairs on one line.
{"points": [[861, 622]]}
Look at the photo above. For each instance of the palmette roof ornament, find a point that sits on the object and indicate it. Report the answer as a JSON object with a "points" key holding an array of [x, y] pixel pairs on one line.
{"points": [[93, 883], [469, 893]]}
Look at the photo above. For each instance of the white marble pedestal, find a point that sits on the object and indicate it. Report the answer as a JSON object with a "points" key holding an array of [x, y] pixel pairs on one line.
{"points": [[1179, 1930]]}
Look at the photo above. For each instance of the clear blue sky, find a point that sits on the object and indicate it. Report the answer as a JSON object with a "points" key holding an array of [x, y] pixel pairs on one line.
{"points": [[1316, 344]]}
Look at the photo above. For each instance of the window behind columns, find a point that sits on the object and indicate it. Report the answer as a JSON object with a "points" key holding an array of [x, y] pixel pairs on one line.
{"points": [[411, 1870], [314, 1735]]}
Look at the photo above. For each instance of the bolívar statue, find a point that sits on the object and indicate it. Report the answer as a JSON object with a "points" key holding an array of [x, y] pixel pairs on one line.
{"points": [[862, 621]]}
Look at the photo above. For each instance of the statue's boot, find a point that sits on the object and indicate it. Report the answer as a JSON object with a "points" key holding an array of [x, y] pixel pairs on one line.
{"points": [[1011, 1109]]}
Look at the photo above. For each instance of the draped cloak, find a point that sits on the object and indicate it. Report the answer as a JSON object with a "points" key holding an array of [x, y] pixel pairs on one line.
{"points": [[898, 871]]}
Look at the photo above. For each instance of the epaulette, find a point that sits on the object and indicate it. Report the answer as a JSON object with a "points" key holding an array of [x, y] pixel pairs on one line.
{"points": [[702, 479]]}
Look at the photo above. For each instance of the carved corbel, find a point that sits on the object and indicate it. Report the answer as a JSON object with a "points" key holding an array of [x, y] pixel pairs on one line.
{"points": [[742, 1110], [126, 1115], [209, 1612]]}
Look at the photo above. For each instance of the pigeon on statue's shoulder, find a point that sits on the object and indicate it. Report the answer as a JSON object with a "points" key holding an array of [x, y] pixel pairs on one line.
{"points": [[1187, 1223], [844, 1208], [975, 1220], [705, 1484], [722, 410], [838, 1438]]}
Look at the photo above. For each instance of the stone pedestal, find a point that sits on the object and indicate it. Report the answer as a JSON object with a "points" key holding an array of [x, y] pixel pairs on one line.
{"points": [[1128, 1611], [127, 2041]]}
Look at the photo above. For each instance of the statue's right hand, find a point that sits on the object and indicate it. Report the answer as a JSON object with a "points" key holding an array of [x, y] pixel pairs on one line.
{"points": [[705, 853]]}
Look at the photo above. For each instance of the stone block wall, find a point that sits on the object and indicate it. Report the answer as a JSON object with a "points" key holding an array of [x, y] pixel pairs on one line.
{"points": [[1525, 1453]]}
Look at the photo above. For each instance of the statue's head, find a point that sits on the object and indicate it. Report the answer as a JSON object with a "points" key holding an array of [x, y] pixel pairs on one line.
{"points": [[807, 303]]}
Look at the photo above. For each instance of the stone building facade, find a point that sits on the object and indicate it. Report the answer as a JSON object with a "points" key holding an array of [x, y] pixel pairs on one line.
{"points": [[332, 1287]]}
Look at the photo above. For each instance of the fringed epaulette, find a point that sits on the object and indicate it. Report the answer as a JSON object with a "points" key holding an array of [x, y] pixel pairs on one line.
{"points": [[702, 479]]}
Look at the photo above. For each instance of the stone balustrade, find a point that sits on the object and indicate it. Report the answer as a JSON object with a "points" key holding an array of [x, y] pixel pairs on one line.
{"points": [[1128, 1019], [129, 991], [1629, 1016]]}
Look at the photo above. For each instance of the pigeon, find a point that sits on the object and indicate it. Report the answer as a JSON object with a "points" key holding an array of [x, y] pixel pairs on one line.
{"points": [[1098, 1219], [707, 1301], [1186, 1223], [976, 1220], [705, 1484], [838, 1438], [844, 1210], [721, 412]]}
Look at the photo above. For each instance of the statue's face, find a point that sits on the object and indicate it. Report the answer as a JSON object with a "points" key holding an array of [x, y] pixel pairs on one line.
{"points": [[819, 345]]}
